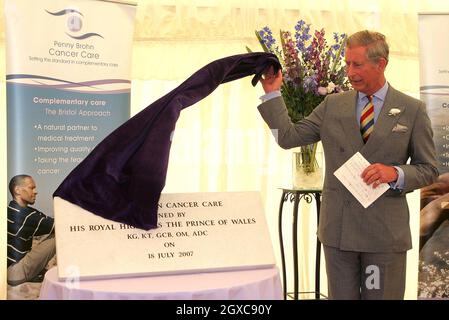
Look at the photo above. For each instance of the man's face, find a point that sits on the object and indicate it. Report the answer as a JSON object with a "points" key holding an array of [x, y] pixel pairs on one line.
{"points": [[365, 75], [26, 191]]}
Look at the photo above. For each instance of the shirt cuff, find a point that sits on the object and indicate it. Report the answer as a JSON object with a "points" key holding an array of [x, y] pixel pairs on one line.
{"points": [[399, 184], [270, 95]]}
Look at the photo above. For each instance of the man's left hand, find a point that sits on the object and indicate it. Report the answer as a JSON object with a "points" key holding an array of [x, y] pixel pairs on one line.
{"points": [[378, 173]]}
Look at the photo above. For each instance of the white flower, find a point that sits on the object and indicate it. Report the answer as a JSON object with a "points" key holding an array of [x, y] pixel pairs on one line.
{"points": [[394, 112], [330, 87], [322, 91]]}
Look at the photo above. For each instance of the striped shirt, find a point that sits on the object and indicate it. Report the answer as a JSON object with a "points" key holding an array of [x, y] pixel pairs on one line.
{"points": [[23, 225]]}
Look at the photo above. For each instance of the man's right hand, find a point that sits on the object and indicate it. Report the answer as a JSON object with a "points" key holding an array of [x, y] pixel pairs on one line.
{"points": [[270, 81]]}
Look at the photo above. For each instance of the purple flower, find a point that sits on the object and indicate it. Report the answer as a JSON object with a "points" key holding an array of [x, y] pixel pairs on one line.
{"points": [[302, 36], [267, 37], [312, 67], [310, 84]]}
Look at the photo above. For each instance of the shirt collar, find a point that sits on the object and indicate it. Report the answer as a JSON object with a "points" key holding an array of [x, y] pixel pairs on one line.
{"points": [[379, 94], [13, 203]]}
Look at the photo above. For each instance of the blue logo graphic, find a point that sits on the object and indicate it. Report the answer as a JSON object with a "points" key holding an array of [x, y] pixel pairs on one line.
{"points": [[74, 23]]}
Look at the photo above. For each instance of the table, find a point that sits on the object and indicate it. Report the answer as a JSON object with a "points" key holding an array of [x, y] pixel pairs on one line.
{"points": [[295, 196], [254, 284]]}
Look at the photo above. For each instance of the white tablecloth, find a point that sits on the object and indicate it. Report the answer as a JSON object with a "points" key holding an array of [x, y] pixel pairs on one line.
{"points": [[253, 284]]}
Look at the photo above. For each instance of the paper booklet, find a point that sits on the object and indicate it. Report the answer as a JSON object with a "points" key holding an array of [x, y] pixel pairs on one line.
{"points": [[350, 174]]}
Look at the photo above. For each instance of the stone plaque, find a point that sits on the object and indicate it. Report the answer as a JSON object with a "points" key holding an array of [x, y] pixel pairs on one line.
{"points": [[197, 232]]}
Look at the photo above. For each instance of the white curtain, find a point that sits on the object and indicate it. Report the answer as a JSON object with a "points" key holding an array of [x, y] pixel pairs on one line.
{"points": [[221, 143]]}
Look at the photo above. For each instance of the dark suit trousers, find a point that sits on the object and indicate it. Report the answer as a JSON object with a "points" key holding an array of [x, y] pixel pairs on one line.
{"points": [[365, 275]]}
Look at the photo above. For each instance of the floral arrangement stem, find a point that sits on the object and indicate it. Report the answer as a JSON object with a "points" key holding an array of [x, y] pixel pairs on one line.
{"points": [[308, 158]]}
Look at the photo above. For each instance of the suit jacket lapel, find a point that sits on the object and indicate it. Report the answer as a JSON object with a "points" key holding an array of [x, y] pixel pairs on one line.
{"points": [[384, 124], [349, 120]]}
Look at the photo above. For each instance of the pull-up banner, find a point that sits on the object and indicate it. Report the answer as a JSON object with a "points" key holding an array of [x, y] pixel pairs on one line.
{"points": [[434, 224], [68, 84]]}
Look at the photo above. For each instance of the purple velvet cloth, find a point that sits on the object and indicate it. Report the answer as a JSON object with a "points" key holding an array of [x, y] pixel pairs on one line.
{"points": [[122, 178]]}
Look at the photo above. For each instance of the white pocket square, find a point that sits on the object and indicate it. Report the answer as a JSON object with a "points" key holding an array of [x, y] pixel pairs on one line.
{"points": [[400, 128]]}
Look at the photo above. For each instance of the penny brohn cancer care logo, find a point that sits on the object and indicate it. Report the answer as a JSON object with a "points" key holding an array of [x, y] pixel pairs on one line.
{"points": [[74, 24]]}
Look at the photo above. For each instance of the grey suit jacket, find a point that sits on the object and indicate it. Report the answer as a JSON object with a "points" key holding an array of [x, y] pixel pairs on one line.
{"points": [[344, 223]]}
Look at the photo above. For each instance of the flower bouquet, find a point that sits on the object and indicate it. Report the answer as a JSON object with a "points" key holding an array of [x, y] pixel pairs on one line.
{"points": [[312, 69]]}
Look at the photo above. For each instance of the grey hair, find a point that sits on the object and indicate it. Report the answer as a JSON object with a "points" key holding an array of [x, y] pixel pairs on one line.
{"points": [[375, 42]]}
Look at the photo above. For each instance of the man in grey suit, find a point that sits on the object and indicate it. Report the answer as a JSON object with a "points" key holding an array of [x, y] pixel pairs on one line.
{"points": [[365, 249]]}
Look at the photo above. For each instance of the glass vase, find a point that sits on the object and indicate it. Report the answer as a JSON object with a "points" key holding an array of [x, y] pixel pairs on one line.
{"points": [[308, 168]]}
